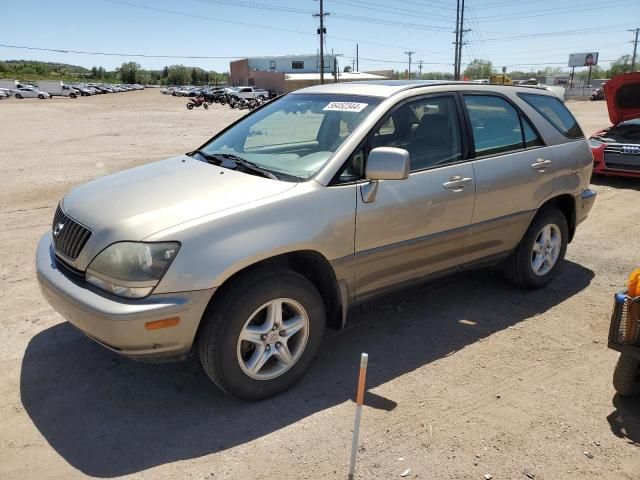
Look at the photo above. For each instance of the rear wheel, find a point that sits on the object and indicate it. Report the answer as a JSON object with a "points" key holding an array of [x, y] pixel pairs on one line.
{"points": [[535, 261], [190, 106], [626, 376], [205, 105], [262, 333], [18, 96], [72, 95]]}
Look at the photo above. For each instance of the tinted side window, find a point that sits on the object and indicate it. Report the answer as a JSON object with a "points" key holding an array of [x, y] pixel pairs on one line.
{"points": [[554, 111], [531, 138], [427, 128], [495, 124]]}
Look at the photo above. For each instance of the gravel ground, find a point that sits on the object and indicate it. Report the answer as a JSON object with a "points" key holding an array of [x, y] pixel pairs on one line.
{"points": [[468, 376]]}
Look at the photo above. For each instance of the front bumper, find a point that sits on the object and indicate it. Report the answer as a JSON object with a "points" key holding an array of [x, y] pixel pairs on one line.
{"points": [[584, 204], [118, 323]]}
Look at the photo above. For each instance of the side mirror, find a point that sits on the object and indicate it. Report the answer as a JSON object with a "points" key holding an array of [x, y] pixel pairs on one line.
{"points": [[387, 163]]}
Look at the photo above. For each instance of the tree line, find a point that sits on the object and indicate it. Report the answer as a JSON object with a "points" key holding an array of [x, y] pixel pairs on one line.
{"points": [[128, 72]]}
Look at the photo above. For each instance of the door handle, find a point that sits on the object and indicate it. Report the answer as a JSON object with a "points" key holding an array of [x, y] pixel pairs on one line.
{"points": [[457, 183], [541, 164]]}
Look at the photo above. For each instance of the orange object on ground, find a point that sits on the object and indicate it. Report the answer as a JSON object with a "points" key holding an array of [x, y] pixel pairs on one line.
{"points": [[633, 288]]}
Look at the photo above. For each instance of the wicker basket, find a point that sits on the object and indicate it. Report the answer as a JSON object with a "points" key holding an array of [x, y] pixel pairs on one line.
{"points": [[625, 321]]}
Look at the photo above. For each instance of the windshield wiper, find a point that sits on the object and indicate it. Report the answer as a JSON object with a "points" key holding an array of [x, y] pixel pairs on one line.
{"points": [[246, 164]]}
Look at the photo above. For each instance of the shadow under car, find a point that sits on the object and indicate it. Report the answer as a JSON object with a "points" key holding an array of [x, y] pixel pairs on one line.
{"points": [[109, 416]]}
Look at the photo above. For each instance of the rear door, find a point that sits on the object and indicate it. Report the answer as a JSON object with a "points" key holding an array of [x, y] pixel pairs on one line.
{"points": [[513, 170], [420, 225]]}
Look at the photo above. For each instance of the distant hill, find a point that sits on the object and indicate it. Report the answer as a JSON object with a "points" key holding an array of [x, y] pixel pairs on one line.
{"points": [[35, 70]]}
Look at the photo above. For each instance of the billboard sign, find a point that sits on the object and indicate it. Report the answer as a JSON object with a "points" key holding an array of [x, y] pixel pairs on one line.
{"points": [[588, 59]]}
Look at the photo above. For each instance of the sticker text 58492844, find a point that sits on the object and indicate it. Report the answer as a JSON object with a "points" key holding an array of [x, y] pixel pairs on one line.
{"points": [[345, 106]]}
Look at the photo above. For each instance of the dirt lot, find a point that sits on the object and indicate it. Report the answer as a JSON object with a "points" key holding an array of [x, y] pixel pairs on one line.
{"points": [[467, 377]]}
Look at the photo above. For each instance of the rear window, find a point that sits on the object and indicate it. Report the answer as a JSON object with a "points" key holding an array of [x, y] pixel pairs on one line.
{"points": [[552, 109]]}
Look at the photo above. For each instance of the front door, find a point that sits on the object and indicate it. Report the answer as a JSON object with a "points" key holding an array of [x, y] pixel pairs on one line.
{"points": [[420, 225]]}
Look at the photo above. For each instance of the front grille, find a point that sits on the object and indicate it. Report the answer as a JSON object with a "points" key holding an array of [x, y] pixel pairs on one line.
{"points": [[69, 237], [617, 159]]}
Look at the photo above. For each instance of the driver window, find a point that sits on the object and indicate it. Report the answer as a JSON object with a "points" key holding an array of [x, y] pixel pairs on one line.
{"points": [[427, 128]]}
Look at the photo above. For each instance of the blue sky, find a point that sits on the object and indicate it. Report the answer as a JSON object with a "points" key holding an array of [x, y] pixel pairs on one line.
{"points": [[516, 34]]}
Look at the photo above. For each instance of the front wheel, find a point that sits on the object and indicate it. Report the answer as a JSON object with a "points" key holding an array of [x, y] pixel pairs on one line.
{"points": [[205, 105], [190, 106], [72, 95], [41, 97], [18, 96], [534, 262], [262, 333], [626, 376]]}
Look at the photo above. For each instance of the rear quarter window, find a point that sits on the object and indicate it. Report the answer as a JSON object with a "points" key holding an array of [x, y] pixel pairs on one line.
{"points": [[554, 111]]}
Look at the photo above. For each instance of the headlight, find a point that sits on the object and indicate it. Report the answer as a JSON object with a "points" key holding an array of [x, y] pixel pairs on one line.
{"points": [[131, 269]]}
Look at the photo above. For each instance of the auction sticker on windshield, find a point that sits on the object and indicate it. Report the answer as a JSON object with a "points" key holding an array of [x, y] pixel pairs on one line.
{"points": [[345, 106]]}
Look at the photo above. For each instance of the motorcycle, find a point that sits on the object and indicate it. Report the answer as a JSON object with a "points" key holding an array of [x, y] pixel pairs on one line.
{"points": [[242, 103], [197, 102]]}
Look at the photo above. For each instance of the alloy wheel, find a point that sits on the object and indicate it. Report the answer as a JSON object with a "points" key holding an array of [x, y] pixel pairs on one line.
{"points": [[273, 339], [546, 249]]}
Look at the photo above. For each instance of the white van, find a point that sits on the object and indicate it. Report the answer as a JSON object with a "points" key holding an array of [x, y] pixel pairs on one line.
{"points": [[57, 88]]}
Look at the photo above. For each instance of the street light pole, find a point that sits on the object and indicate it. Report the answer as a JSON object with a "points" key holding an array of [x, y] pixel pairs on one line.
{"points": [[635, 49]]}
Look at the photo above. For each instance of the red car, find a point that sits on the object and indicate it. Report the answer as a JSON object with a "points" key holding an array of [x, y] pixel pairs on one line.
{"points": [[616, 150]]}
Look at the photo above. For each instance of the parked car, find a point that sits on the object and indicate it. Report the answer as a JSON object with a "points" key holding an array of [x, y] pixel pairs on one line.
{"points": [[597, 94], [251, 92], [248, 247], [3, 94], [84, 91], [616, 150], [31, 92]]}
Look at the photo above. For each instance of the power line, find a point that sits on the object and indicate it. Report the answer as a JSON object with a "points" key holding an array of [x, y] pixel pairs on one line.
{"points": [[253, 25], [116, 54], [603, 29], [342, 16], [508, 17]]}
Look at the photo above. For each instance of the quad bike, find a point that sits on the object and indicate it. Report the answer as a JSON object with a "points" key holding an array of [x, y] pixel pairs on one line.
{"points": [[624, 336], [196, 102]]}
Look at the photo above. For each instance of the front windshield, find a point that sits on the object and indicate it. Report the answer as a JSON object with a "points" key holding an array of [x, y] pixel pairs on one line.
{"points": [[296, 134]]}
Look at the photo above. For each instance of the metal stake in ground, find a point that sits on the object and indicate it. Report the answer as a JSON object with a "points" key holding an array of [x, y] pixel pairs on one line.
{"points": [[364, 358]]}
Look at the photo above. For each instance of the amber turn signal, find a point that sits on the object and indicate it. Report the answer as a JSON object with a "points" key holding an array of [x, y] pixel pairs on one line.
{"points": [[165, 323]]}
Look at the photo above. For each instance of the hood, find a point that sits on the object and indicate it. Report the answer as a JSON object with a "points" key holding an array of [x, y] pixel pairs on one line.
{"points": [[623, 97], [133, 204]]}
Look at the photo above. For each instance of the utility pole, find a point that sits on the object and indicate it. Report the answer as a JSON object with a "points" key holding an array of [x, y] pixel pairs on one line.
{"points": [[460, 31], [409, 53], [635, 49], [420, 68], [457, 41], [321, 31], [357, 59]]}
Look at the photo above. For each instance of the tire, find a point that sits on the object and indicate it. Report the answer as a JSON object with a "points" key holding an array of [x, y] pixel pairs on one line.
{"points": [[41, 97], [226, 359], [206, 106], [520, 266], [72, 95], [626, 376], [18, 96], [190, 106]]}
